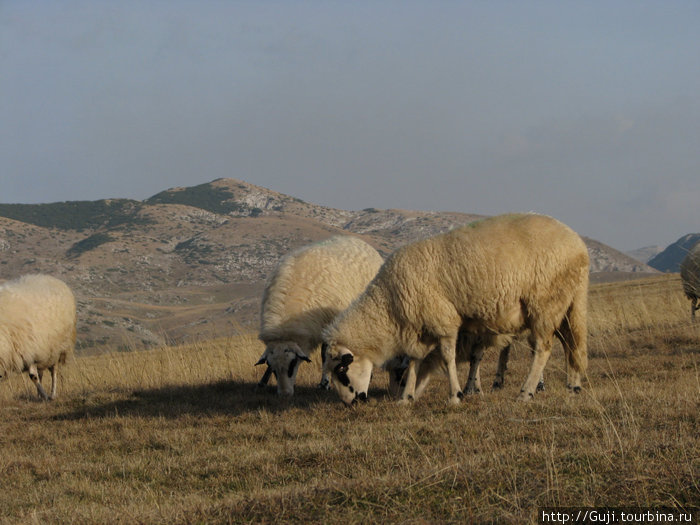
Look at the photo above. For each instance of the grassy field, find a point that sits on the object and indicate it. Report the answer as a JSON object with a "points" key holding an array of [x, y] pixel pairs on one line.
{"points": [[180, 435]]}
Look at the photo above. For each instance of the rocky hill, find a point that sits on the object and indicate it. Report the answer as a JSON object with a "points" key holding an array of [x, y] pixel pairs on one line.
{"points": [[191, 262], [670, 259]]}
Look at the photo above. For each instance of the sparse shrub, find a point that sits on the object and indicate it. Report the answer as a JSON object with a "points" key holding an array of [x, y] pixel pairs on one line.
{"points": [[89, 243], [204, 196], [77, 215]]}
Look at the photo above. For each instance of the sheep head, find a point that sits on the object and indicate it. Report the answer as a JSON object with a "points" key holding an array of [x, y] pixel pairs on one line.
{"points": [[284, 358], [350, 376]]}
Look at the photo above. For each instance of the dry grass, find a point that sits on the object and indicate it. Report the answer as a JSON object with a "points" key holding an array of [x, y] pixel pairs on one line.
{"points": [[179, 435]]}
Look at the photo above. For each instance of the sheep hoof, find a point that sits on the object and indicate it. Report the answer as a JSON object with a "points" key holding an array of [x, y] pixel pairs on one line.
{"points": [[324, 384], [457, 398], [540, 387], [525, 397], [576, 390], [405, 401]]}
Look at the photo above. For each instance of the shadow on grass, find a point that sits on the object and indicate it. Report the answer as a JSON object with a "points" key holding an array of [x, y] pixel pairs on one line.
{"points": [[222, 398]]}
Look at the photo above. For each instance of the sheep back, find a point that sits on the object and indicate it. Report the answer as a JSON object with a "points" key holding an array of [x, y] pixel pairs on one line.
{"points": [[312, 285]]}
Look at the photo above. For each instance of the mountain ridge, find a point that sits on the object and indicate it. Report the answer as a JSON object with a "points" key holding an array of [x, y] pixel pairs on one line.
{"points": [[191, 262]]}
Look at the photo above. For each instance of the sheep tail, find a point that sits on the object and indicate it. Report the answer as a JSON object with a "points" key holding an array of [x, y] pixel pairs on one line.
{"points": [[573, 333]]}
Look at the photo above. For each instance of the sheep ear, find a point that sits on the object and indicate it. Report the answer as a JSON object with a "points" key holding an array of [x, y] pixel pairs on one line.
{"points": [[300, 355], [346, 359]]}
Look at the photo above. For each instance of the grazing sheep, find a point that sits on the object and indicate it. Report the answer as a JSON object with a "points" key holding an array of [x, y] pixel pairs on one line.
{"points": [[502, 275], [305, 293], [37, 327], [690, 275]]}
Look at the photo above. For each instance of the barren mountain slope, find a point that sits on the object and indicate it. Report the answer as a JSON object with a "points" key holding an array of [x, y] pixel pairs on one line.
{"points": [[192, 262]]}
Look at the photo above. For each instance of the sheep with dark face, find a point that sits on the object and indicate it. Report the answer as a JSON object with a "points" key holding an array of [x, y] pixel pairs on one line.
{"points": [[690, 276], [502, 275], [307, 290], [37, 328]]}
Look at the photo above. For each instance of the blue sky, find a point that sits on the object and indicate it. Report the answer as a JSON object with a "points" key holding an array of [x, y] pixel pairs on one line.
{"points": [[587, 111]]}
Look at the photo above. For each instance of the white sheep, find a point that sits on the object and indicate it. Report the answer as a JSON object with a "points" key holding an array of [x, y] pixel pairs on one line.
{"points": [[502, 275], [37, 327], [690, 275], [305, 293]]}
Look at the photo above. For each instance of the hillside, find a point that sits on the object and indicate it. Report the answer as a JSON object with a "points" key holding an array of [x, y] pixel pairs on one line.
{"points": [[669, 260], [191, 262]]}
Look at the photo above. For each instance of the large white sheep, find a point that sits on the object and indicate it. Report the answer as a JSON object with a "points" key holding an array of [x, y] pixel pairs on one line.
{"points": [[690, 275], [37, 327], [305, 293], [502, 275]]}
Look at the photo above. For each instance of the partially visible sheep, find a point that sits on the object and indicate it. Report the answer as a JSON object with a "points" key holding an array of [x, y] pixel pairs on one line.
{"points": [[690, 275], [305, 293], [501, 275], [470, 349], [37, 328]]}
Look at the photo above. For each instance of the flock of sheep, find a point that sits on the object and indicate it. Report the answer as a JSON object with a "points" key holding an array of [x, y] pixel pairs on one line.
{"points": [[431, 304]]}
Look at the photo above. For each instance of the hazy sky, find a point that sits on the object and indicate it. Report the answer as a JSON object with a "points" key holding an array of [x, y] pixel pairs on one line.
{"points": [[587, 111]]}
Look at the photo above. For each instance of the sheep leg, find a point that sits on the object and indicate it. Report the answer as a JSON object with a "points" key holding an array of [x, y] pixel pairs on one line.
{"points": [[448, 352], [502, 367], [34, 376], [409, 390], [396, 371], [422, 380], [473, 380], [542, 348], [540, 383], [52, 369], [265, 378], [325, 383]]}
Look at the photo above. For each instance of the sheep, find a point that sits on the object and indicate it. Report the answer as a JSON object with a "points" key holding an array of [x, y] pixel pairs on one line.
{"points": [[502, 275], [304, 294], [37, 328], [690, 275]]}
